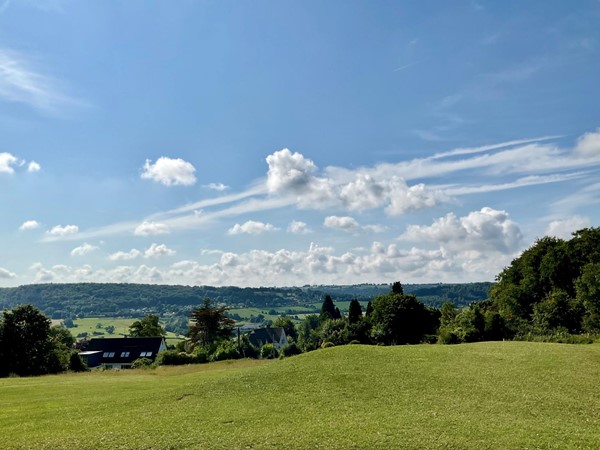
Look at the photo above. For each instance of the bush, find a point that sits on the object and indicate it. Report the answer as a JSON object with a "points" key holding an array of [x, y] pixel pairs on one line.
{"points": [[226, 350], [174, 358], [76, 364], [290, 349], [448, 337], [268, 351], [141, 363], [559, 337]]}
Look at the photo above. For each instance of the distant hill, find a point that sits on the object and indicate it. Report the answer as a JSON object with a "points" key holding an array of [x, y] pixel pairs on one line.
{"points": [[132, 300]]}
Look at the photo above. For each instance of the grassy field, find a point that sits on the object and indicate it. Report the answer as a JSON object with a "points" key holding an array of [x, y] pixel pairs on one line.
{"points": [[503, 395], [98, 325]]}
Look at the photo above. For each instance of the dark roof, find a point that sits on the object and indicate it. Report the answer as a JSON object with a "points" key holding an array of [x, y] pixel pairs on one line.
{"points": [[126, 350], [267, 335]]}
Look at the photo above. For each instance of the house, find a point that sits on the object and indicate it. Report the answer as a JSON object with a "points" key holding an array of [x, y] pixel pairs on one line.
{"points": [[120, 353], [268, 335]]}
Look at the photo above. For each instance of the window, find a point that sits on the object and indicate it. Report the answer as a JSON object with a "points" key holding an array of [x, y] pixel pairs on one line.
{"points": [[147, 354], [124, 354], [108, 355]]}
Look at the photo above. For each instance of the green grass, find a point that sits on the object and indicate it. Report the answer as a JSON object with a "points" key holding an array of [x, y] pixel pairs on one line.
{"points": [[503, 395]]}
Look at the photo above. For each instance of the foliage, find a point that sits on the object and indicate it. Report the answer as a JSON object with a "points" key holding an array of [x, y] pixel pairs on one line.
{"points": [[290, 349], [329, 310], [308, 336], [76, 364], [247, 349], [400, 319], [587, 288], [79, 300], [26, 345], [141, 363], [547, 287], [288, 326], [354, 311], [268, 351], [210, 324], [177, 358], [335, 331], [369, 310], [397, 288], [149, 326], [227, 349]]}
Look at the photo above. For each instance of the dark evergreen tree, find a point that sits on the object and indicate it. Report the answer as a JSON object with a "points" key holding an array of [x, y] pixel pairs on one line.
{"points": [[210, 324], [328, 309], [76, 364], [397, 288], [369, 310], [354, 311]]}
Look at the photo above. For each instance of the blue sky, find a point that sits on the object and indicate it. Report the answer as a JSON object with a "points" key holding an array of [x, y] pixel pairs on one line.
{"points": [[290, 143]]}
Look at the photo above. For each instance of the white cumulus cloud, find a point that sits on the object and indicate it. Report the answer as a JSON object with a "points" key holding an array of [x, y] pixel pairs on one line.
{"points": [[344, 223], [7, 161], [157, 251], [298, 227], [170, 171], [487, 229], [288, 171], [251, 227], [33, 167], [124, 256], [563, 229], [151, 229], [83, 249], [29, 225], [59, 230], [293, 174], [588, 145]]}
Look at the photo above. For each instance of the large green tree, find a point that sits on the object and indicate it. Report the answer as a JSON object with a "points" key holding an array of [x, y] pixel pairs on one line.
{"points": [[544, 288], [400, 319], [588, 296], [26, 347], [210, 324], [149, 326]]}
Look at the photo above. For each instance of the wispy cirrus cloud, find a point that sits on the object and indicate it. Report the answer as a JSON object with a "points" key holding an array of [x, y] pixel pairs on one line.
{"points": [[293, 180], [21, 83]]}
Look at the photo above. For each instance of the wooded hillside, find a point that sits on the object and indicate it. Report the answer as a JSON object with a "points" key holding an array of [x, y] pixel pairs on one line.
{"points": [[133, 300]]}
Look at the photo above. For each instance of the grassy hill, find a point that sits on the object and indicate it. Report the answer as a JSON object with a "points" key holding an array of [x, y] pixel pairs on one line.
{"points": [[498, 395]]}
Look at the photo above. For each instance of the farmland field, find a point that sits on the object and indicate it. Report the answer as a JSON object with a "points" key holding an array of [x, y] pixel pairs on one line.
{"points": [[499, 395], [96, 327]]}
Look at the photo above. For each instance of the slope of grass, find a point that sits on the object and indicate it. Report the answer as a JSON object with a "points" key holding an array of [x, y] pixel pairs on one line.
{"points": [[490, 395]]}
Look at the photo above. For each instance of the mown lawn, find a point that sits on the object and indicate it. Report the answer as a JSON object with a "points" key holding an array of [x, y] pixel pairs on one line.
{"points": [[500, 395]]}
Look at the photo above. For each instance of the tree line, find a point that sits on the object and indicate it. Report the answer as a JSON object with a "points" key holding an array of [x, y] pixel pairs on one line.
{"points": [[78, 300]]}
